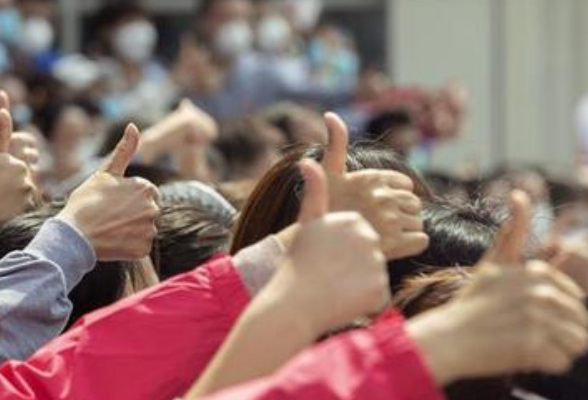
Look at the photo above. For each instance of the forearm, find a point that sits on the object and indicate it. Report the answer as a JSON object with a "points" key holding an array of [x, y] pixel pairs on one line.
{"points": [[265, 338], [366, 365], [160, 339], [34, 284]]}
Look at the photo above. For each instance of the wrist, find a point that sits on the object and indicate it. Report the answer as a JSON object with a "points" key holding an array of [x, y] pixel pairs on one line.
{"points": [[432, 332], [274, 302]]}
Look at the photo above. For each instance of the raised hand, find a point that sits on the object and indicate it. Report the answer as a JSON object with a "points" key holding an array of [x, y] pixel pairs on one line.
{"points": [[183, 128], [117, 215], [515, 316], [18, 189], [334, 272], [384, 198], [335, 261], [22, 145]]}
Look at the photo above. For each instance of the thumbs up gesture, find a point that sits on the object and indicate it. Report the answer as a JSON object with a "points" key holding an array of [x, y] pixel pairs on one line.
{"points": [[334, 270], [514, 316], [18, 189], [384, 198], [117, 215]]}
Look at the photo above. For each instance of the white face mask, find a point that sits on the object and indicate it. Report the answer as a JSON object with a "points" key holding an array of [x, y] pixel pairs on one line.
{"points": [[305, 13], [37, 36], [135, 41], [274, 33], [234, 39]]}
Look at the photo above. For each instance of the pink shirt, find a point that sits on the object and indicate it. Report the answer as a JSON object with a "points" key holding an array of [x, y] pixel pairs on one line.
{"points": [[154, 345]]}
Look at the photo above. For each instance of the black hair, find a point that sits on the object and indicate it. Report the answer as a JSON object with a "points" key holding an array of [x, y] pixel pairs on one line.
{"points": [[113, 12], [459, 235], [188, 236], [242, 142], [386, 123], [571, 386]]}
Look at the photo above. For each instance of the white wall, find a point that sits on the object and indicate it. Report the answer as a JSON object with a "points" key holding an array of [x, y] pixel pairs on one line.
{"points": [[523, 60]]}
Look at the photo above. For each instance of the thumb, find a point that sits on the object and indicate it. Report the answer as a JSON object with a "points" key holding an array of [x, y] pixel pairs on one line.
{"points": [[335, 157], [122, 155], [4, 100], [315, 203], [5, 130], [186, 104], [510, 243]]}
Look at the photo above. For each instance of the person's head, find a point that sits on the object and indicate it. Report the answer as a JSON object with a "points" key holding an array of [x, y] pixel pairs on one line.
{"points": [[65, 126], [250, 147], [188, 236], [104, 285], [448, 186], [459, 237], [394, 129], [275, 202], [226, 25], [298, 124], [126, 31]]}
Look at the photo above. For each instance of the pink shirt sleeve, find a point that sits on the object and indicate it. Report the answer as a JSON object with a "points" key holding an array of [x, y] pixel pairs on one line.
{"points": [[381, 363], [150, 346]]}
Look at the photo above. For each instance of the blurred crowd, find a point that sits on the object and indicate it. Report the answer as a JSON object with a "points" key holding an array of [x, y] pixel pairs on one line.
{"points": [[356, 269]]}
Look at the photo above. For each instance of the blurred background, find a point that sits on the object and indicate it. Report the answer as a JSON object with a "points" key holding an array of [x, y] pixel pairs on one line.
{"points": [[472, 88], [524, 62]]}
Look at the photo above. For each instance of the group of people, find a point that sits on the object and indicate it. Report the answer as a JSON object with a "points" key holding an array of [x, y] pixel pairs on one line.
{"points": [[181, 232]]}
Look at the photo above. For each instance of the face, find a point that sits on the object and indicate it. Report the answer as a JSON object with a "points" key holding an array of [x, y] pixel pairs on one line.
{"points": [[73, 126], [226, 11]]}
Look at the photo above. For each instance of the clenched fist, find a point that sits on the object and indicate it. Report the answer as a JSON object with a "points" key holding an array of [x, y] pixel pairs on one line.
{"points": [[18, 189], [384, 198], [514, 316], [117, 215]]}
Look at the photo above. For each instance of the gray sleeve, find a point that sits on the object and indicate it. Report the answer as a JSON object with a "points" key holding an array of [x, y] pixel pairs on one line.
{"points": [[34, 284], [256, 264]]}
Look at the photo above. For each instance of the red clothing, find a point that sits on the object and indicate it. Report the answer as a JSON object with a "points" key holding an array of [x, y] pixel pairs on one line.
{"points": [[381, 363], [153, 345]]}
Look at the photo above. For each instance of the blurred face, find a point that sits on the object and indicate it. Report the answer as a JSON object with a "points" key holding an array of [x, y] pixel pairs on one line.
{"points": [[226, 11], [73, 126]]}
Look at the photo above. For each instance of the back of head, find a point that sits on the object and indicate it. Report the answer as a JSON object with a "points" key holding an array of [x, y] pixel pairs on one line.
{"points": [[275, 202], [459, 236], [188, 236], [248, 145]]}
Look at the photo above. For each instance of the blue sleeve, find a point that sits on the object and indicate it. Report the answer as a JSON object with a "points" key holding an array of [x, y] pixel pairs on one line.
{"points": [[34, 284]]}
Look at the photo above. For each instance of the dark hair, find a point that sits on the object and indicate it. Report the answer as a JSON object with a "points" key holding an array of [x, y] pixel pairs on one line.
{"points": [[100, 287], [386, 123], [571, 386], [242, 142], [275, 202], [188, 236], [459, 236], [114, 12]]}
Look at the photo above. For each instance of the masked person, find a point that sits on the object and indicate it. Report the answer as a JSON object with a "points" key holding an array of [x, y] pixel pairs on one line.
{"points": [[27, 36], [136, 84]]}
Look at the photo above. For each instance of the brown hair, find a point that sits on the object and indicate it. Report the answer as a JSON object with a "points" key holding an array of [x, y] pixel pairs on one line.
{"points": [[275, 202]]}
